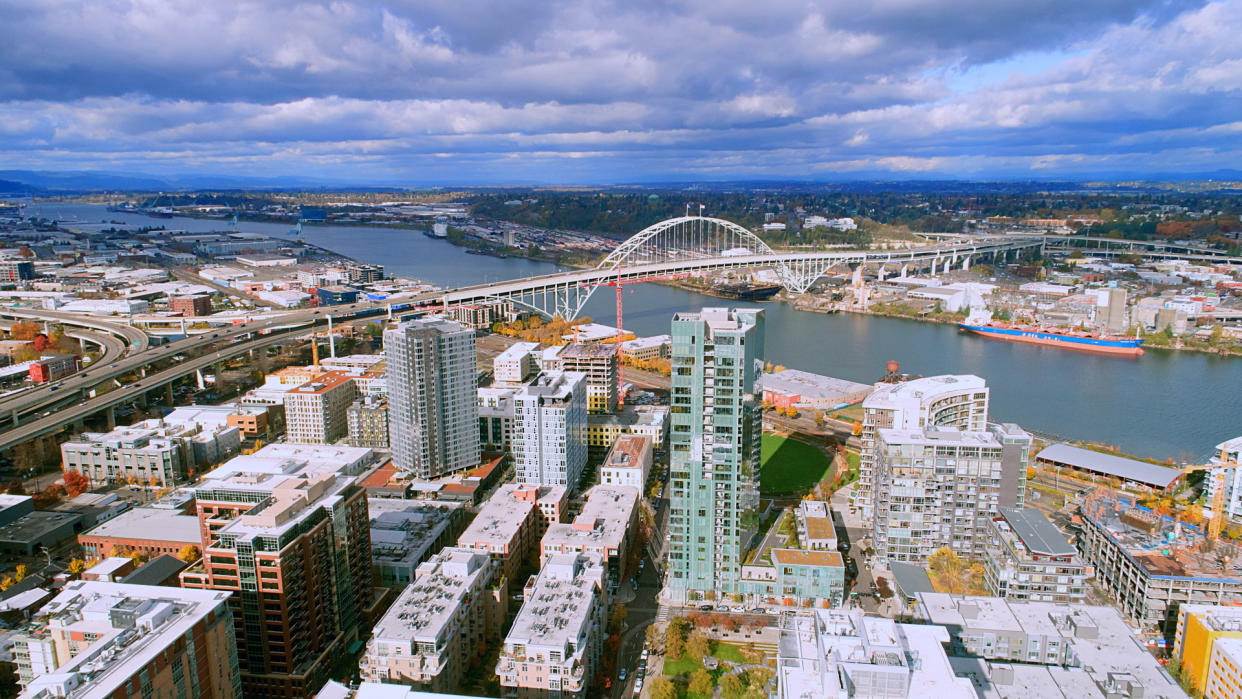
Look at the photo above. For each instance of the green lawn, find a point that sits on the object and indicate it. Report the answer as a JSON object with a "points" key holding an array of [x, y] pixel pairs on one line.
{"points": [[685, 666], [727, 651], [790, 466]]}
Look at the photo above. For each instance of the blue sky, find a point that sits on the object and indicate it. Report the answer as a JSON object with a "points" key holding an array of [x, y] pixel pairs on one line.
{"points": [[480, 92]]}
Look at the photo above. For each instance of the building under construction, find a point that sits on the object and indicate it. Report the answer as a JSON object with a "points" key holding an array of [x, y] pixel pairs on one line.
{"points": [[1152, 563]]}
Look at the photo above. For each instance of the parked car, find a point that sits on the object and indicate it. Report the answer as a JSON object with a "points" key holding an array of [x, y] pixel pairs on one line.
{"points": [[621, 675], [705, 608]]}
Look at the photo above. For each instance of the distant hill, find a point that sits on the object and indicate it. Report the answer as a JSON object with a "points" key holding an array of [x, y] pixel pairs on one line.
{"points": [[96, 181]]}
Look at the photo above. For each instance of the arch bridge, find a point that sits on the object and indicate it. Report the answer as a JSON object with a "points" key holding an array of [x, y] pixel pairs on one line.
{"points": [[692, 245]]}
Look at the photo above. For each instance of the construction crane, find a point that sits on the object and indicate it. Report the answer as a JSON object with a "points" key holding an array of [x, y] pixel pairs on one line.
{"points": [[619, 284], [1221, 467]]}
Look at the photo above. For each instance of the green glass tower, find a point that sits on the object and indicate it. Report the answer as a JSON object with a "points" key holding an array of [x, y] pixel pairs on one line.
{"points": [[716, 426]]}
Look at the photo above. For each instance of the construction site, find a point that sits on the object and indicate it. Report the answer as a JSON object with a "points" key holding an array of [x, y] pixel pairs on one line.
{"points": [[1150, 563]]}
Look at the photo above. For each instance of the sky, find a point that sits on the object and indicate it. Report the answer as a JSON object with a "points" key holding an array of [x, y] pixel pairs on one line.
{"points": [[592, 91]]}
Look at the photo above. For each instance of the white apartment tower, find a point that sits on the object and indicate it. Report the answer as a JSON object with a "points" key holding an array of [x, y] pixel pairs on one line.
{"points": [[433, 408], [936, 401], [549, 429]]}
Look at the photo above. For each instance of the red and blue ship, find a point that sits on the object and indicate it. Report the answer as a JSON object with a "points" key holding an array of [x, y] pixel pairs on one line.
{"points": [[1066, 339]]}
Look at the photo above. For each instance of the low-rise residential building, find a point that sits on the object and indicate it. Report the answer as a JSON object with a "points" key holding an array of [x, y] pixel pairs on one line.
{"points": [[97, 640], [628, 462], [157, 451], [795, 578], [605, 526], [1029, 559], [404, 533], [1150, 564], [517, 363], [510, 523], [648, 420], [552, 648], [434, 630], [816, 531], [316, 412], [367, 420], [833, 653], [1046, 649]]}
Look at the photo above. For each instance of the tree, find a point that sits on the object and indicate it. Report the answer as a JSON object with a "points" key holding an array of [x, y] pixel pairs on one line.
{"points": [[6, 583], [618, 616], [674, 643], [701, 682], [663, 688], [188, 553], [651, 637], [76, 483], [19, 573], [76, 566], [697, 646], [732, 686], [24, 331]]}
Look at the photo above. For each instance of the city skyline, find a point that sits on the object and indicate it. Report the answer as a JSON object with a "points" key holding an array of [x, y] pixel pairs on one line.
{"points": [[367, 93]]}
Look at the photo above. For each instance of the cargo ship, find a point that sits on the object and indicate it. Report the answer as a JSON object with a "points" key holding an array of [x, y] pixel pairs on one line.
{"points": [[1086, 341], [746, 291]]}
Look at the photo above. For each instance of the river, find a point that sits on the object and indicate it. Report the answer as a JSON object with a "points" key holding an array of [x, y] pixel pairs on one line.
{"points": [[1164, 404]]}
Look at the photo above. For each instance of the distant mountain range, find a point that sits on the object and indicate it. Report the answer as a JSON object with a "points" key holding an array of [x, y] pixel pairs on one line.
{"points": [[44, 183]]}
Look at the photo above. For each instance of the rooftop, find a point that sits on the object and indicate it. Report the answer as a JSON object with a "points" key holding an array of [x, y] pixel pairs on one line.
{"points": [[828, 652], [33, 525], [628, 451], [603, 522], [1104, 645], [799, 557], [154, 524], [1036, 533], [926, 388], [403, 530], [322, 384], [558, 602], [426, 608], [631, 416], [134, 625], [806, 384], [911, 579], [1110, 465], [584, 350]]}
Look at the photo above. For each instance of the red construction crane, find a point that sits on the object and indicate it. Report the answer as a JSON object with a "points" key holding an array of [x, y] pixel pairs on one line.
{"points": [[619, 284]]}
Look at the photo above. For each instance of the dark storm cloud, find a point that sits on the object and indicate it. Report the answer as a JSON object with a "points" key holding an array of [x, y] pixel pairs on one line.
{"points": [[529, 90]]}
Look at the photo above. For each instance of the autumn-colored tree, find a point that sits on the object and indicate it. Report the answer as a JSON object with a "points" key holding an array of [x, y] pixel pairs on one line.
{"points": [[6, 582], [701, 682], [618, 617], [697, 646], [24, 331], [732, 686], [49, 496], [19, 573], [674, 643], [663, 688], [76, 483], [188, 553], [76, 566], [15, 487]]}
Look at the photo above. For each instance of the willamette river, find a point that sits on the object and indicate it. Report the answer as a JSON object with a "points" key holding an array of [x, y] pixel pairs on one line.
{"points": [[1164, 404]]}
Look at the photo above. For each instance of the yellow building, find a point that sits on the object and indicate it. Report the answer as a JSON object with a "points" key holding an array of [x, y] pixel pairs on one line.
{"points": [[1224, 675], [649, 421], [1199, 627]]}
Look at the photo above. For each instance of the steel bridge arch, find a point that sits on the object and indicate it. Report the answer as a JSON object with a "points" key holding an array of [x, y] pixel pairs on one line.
{"points": [[634, 244]]}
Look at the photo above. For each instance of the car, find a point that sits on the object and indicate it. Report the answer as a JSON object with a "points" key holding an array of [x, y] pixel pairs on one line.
{"points": [[705, 608], [52, 388], [621, 675], [519, 597], [758, 610], [635, 584], [722, 607]]}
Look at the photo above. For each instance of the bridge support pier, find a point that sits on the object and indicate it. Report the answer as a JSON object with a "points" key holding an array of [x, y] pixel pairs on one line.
{"points": [[966, 263], [16, 422], [904, 269], [79, 425], [198, 374], [142, 371], [110, 413], [331, 340], [169, 393]]}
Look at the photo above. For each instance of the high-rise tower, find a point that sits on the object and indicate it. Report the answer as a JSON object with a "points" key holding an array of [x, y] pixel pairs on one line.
{"points": [[433, 412], [715, 440]]}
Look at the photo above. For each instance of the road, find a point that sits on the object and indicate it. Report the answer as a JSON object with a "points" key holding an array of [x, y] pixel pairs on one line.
{"points": [[640, 613], [131, 392]]}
